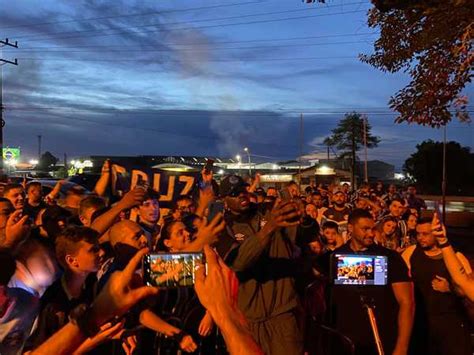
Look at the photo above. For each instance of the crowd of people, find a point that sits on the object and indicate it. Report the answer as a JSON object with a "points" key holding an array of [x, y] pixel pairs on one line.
{"points": [[72, 280]]}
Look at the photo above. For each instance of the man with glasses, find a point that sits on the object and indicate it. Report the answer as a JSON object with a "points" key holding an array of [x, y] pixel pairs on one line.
{"points": [[260, 252]]}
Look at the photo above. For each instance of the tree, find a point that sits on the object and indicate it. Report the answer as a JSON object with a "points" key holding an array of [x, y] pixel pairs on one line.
{"points": [[348, 137], [425, 166], [431, 40], [47, 160]]}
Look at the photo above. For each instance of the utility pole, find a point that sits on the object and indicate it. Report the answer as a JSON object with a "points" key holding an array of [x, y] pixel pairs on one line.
{"points": [[443, 184], [366, 173], [6, 42], [39, 147]]}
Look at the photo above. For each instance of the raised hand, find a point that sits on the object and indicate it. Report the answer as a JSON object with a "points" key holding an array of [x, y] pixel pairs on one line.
{"points": [[17, 229], [208, 232], [132, 198], [117, 296], [285, 214]]}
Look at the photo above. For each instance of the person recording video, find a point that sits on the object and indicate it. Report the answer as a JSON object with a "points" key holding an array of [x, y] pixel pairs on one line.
{"points": [[393, 300]]}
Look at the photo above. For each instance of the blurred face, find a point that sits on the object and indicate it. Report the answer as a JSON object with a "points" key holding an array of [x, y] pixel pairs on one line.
{"points": [[396, 209], [363, 231], [185, 206], [149, 211], [411, 191], [294, 190], [311, 211], [392, 189], [179, 237], [16, 197], [134, 237], [317, 201], [87, 258], [339, 199], [331, 236], [379, 187], [425, 238], [42, 267], [6, 208], [389, 228], [315, 247], [86, 217], [411, 222], [345, 187], [272, 192], [239, 204], [35, 194], [362, 204]]}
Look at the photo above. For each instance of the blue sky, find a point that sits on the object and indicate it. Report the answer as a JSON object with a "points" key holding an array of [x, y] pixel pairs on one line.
{"points": [[196, 77]]}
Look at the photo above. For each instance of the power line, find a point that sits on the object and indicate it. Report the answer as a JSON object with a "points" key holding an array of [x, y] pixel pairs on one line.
{"points": [[194, 44], [204, 49], [186, 22], [134, 15], [208, 60], [204, 27]]}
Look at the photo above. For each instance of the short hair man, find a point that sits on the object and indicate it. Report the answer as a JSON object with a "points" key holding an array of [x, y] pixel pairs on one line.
{"points": [[16, 194], [88, 206], [339, 211], [441, 325], [78, 252], [393, 302], [127, 237], [258, 241], [149, 215], [414, 201], [34, 202]]}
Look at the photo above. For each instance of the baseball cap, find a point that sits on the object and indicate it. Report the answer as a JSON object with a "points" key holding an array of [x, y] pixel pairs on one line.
{"points": [[232, 184], [338, 190]]}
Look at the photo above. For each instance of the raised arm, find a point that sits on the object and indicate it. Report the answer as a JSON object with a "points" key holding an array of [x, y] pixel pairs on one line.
{"points": [[455, 268], [217, 292], [131, 199], [116, 298], [103, 182], [247, 254]]}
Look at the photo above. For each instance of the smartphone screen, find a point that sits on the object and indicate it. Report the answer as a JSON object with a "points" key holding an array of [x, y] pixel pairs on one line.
{"points": [[171, 270], [360, 270]]}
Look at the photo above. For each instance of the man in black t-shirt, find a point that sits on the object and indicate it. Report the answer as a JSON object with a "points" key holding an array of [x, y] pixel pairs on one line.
{"points": [[441, 323], [393, 302], [339, 211], [34, 202]]}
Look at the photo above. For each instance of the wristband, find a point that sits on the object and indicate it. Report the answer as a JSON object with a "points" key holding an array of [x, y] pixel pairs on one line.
{"points": [[444, 245], [81, 316]]}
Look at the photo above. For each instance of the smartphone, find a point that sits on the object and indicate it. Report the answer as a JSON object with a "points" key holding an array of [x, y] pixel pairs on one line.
{"points": [[171, 270], [439, 212], [142, 183], [215, 208], [209, 165]]}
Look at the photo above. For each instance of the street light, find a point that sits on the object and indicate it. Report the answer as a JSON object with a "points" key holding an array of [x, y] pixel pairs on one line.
{"points": [[250, 164], [238, 157]]}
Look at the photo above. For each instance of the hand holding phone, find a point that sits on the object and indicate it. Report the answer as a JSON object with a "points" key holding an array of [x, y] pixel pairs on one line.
{"points": [[171, 270]]}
